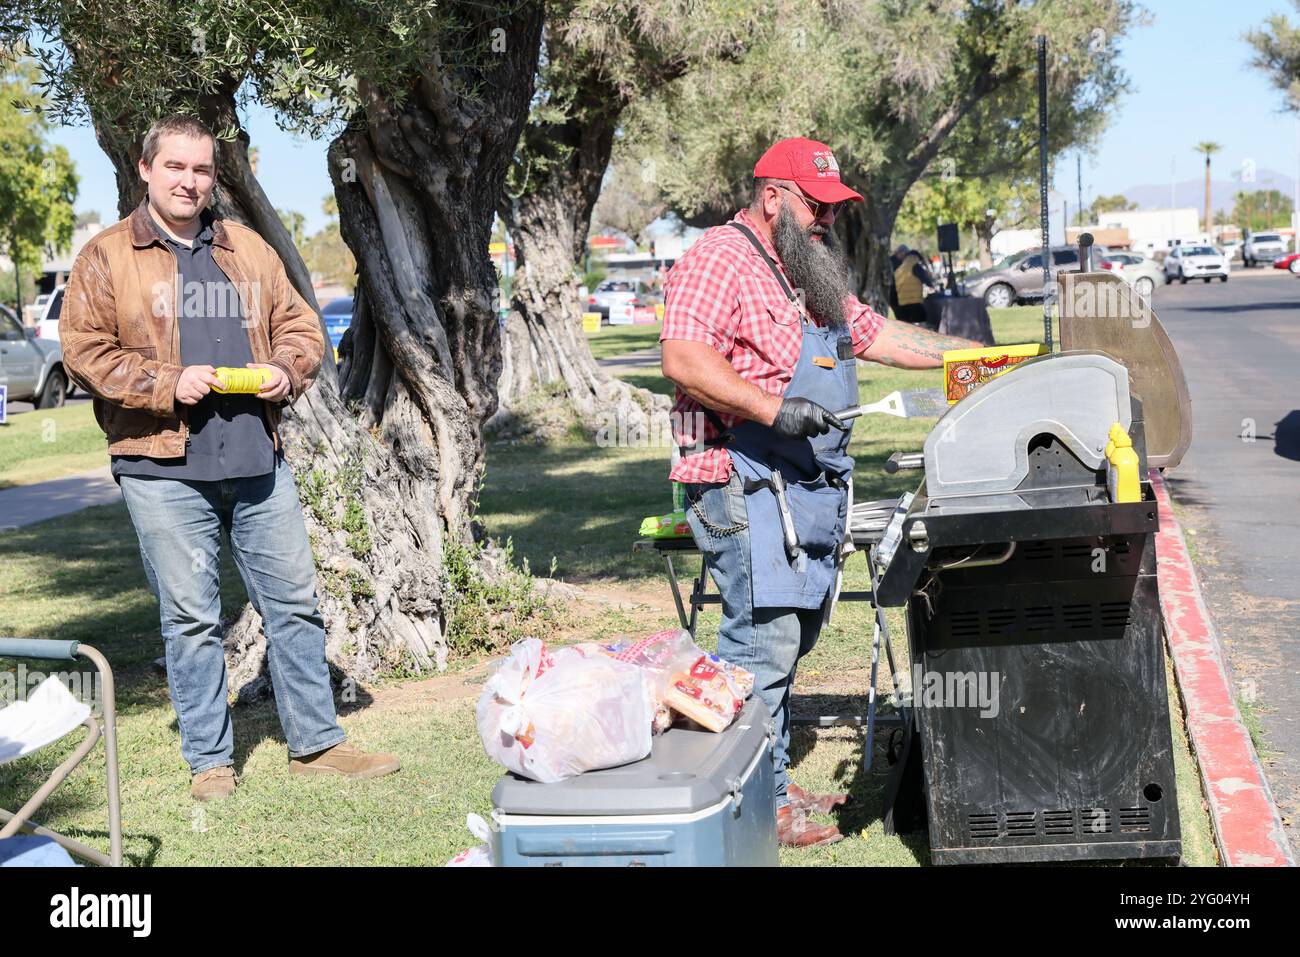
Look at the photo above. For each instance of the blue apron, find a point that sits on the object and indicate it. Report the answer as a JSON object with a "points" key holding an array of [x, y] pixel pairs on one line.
{"points": [[816, 472]]}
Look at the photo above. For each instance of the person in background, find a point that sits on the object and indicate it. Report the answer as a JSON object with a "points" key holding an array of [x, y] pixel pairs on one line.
{"points": [[895, 260], [911, 277]]}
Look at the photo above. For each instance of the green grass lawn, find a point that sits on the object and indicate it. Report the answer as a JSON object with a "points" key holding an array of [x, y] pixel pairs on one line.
{"points": [[50, 443], [79, 577]]}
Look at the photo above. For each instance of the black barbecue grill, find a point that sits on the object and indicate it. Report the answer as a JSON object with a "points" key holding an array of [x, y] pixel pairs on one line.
{"points": [[1038, 723]]}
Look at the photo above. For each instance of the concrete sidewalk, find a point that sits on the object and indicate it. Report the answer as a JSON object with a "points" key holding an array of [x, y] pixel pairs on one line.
{"points": [[28, 504]]}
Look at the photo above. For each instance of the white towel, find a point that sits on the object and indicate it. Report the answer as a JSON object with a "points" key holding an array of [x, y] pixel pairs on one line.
{"points": [[50, 713]]}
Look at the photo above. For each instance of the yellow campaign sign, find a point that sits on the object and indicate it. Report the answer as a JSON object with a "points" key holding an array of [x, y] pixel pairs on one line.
{"points": [[659, 311], [496, 249], [591, 322]]}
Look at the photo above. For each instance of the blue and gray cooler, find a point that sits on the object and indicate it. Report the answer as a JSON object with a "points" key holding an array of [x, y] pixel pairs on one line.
{"points": [[699, 800]]}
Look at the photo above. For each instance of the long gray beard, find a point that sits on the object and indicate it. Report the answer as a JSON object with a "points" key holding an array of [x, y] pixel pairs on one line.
{"points": [[818, 269]]}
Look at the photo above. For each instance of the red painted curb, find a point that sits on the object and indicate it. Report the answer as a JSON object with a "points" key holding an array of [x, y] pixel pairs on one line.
{"points": [[1247, 825]]}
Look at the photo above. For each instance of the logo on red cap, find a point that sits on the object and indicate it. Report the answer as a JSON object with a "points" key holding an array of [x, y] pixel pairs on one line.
{"points": [[808, 163]]}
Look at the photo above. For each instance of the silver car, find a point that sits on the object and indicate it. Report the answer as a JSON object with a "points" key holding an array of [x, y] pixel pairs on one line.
{"points": [[32, 368], [1135, 269], [1019, 277], [1195, 262]]}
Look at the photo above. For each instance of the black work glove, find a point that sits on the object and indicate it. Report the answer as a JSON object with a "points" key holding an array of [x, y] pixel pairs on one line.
{"points": [[802, 419]]}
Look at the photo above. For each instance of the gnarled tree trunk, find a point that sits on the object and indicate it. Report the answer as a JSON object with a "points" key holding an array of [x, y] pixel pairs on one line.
{"points": [[544, 347], [865, 229]]}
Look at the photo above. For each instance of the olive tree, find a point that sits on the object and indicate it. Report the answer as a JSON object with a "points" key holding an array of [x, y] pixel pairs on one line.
{"points": [[598, 59], [888, 86]]}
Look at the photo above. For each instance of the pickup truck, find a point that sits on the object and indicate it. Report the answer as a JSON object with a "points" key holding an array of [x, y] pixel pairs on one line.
{"points": [[32, 368], [1262, 248]]}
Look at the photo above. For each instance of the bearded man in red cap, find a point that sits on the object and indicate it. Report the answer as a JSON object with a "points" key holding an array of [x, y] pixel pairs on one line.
{"points": [[761, 335]]}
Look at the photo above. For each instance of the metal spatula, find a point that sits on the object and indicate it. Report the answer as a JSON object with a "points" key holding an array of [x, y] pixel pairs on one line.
{"points": [[913, 404]]}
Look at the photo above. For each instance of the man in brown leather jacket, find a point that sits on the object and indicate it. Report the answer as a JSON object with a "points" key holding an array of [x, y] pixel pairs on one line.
{"points": [[153, 306]]}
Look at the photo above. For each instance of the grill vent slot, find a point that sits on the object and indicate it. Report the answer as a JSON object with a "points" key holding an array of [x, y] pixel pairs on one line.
{"points": [[965, 624], [1040, 618], [1000, 619], [1077, 616], [982, 827], [1114, 617], [1022, 823], [1094, 820], [1058, 822], [1134, 819]]}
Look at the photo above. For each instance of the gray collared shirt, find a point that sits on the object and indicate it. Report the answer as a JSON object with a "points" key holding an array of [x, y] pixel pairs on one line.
{"points": [[229, 435]]}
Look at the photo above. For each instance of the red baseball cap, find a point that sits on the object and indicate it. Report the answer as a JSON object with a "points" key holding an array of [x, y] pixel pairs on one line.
{"points": [[810, 164]]}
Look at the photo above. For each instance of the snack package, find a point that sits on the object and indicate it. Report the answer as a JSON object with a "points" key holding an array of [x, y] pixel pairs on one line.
{"points": [[692, 682], [479, 856], [672, 525], [549, 716], [964, 370]]}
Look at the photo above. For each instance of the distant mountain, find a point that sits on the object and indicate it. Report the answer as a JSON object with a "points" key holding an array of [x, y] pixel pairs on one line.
{"points": [[1191, 192]]}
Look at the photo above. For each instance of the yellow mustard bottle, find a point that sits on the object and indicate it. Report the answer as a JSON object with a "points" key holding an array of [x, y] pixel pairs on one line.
{"points": [[1122, 476]]}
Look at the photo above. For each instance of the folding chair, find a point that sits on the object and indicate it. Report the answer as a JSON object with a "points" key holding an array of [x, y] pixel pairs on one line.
{"points": [[51, 714]]}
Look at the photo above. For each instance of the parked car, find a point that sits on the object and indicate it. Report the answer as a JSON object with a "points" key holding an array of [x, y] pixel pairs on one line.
{"points": [[1195, 262], [1262, 248], [31, 367], [47, 326], [338, 318], [1135, 269], [619, 292], [1019, 277], [1291, 262]]}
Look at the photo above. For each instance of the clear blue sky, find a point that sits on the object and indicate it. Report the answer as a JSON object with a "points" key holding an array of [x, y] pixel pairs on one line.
{"points": [[1191, 82]]}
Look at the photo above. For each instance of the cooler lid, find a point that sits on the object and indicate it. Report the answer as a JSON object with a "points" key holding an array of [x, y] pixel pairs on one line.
{"points": [[687, 770]]}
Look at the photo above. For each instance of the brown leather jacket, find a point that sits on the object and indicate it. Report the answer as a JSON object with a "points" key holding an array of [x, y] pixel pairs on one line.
{"points": [[121, 340]]}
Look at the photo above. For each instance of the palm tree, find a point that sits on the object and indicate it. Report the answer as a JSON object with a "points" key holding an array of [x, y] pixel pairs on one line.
{"points": [[1208, 149]]}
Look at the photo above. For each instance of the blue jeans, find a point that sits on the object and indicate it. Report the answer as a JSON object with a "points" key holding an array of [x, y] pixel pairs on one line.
{"points": [[766, 641], [179, 525]]}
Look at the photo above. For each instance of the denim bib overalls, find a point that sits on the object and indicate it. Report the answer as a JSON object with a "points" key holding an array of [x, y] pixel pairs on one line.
{"points": [[816, 472]]}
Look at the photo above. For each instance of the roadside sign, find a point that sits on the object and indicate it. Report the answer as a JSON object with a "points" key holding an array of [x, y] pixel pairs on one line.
{"points": [[643, 315], [621, 315], [4, 403], [659, 311], [591, 322]]}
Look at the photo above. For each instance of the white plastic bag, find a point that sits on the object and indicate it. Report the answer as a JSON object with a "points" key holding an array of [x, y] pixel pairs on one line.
{"points": [[686, 679], [550, 715], [480, 856]]}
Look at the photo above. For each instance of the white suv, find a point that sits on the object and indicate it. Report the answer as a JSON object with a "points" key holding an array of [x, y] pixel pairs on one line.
{"points": [[1195, 262]]}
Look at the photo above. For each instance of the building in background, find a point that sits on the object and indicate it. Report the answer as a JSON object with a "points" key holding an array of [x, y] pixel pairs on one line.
{"points": [[1156, 230]]}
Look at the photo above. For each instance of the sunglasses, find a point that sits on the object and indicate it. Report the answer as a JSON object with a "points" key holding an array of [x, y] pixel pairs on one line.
{"points": [[818, 209]]}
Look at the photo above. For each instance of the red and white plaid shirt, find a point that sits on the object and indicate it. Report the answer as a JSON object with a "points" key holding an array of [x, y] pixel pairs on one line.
{"points": [[722, 292]]}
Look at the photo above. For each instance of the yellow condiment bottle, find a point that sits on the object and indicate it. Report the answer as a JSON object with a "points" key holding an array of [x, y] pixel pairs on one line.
{"points": [[1122, 476], [1115, 430]]}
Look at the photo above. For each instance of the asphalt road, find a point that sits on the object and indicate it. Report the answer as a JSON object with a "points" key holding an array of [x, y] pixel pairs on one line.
{"points": [[1238, 492]]}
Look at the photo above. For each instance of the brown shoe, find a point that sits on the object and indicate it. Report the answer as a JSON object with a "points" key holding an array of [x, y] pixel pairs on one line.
{"points": [[347, 760], [793, 829], [213, 784], [814, 803]]}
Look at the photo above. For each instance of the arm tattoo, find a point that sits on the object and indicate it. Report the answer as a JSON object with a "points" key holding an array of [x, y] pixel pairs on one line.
{"points": [[908, 341]]}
